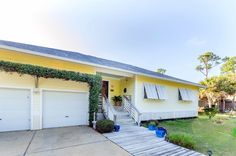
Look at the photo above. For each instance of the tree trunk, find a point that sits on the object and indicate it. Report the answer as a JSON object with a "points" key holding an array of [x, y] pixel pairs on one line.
{"points": [[209, 101], [223, 107]]}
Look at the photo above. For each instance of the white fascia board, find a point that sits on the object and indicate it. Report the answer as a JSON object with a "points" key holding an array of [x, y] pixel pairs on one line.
{"points": [[93, 64]]}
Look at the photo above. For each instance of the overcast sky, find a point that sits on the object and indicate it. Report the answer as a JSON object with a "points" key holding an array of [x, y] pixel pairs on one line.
{"points": [[152, 34]]}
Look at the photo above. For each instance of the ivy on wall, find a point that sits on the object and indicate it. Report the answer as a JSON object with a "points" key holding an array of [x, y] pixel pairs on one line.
{"points": [[94, 81]]}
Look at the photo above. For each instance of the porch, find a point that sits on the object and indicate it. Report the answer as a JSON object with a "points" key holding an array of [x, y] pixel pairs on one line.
{"points": [[122, 85]]}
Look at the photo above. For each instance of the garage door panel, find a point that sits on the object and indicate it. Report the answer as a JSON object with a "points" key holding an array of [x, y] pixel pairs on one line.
{"points": [[14, 109], [64, 109]]}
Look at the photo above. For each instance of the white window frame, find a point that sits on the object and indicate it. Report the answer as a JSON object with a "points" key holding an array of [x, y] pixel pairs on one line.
{"points": [[150, 91], [161, 91], [185, 94]]}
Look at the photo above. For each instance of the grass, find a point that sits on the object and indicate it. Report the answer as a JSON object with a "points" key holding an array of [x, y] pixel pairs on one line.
{"points": [[216, 135], [181, 139]]}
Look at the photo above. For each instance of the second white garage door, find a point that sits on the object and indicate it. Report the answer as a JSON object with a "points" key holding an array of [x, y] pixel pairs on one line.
{"points": [[64, 108]]}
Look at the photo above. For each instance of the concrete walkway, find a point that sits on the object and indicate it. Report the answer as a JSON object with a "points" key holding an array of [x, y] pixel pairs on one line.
{"points": [[139, 141], [72, 141]]}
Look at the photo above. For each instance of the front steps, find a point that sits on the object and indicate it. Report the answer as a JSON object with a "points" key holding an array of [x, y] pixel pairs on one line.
{"points": [[100, 115], [124, 119]]}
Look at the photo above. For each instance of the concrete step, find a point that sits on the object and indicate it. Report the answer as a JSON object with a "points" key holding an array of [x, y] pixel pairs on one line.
{"points": [[100, 109], [121, 114], [125, 120], [100, 116], [127, 124]]}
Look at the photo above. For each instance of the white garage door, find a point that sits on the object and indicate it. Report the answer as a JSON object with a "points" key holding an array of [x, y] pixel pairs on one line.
{"points": [[14, 109], [64, 109]]}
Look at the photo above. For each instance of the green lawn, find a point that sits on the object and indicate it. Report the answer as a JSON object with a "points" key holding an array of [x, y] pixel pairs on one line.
{"points": [[207, 133]]}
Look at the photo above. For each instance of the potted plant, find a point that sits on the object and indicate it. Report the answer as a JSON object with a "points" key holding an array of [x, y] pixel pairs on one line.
{"points": [[117, 100], [161, 132], [152, 126], [116, 128]]}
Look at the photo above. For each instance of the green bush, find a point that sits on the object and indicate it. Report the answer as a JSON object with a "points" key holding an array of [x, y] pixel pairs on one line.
{"points": [[181, 139], [117, 98], [210, 112], [152, 123], [105, 126], [234, 131]]}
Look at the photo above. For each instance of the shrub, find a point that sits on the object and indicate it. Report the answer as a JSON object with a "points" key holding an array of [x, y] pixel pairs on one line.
{"points": [[144, 124], [117, 98], [234, 131], [152, 123], [181, 139], [105, 126], [210, 112]]}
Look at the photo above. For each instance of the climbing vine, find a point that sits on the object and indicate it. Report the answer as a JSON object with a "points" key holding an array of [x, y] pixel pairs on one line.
{"points": [[94, 81]]}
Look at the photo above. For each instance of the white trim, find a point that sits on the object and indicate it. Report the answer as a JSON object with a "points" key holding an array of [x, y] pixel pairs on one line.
{"points": [[63, 90], [31, 108], [41, 109], [92, 64], [31, 100], [15, 87], [135, 91], [114, 78], [56, 90]]}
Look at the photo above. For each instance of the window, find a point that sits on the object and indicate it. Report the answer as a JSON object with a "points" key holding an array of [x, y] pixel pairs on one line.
{"points": [[161, 90], [150, 91], [185, 94]]}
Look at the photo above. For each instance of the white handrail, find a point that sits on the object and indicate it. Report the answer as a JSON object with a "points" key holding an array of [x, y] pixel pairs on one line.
{"points": [[132, 110], [110, 112]]}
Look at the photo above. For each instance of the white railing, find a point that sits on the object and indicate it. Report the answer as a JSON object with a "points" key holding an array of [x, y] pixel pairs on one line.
{"points": [[109, 111], [132, 110]]}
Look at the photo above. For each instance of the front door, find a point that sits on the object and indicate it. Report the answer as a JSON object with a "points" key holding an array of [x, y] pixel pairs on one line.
{"points": [[105, 85]]}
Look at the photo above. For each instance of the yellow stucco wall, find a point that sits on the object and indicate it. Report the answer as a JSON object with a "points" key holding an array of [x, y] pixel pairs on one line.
{"points": [[128, 83], [171, 104], [13, 56]]}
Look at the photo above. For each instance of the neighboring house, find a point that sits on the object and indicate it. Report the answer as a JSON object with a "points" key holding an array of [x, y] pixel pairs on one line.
{"points": [[58, 103]]}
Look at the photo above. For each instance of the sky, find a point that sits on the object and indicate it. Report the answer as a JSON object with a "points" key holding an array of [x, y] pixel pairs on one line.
{"points": [[151, 34]]}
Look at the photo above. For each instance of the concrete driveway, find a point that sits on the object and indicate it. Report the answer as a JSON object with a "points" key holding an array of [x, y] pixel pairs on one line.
{"points": [[72, 141]]}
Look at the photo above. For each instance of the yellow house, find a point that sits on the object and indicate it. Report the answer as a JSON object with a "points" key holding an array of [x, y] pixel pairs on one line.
{"points": [[57, 103]]}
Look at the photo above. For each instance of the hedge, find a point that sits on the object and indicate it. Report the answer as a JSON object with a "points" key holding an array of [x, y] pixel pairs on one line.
{"points": [[94, 81]]}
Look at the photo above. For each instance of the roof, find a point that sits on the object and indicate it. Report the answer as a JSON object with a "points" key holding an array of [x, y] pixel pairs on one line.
{"points": [[88, 59]]}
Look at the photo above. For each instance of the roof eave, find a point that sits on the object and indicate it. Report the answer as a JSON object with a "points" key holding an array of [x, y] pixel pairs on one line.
{"points": [[93, 64]]}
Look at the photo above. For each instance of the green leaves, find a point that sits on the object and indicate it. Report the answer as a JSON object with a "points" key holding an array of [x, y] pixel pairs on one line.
{"points": [[208, 60], [181, 139], [94, 81], [229, 66], [210, 112], [161, 70]]}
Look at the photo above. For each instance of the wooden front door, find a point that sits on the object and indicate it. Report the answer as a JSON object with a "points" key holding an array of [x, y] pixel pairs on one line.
{"points": [[105, 87]]}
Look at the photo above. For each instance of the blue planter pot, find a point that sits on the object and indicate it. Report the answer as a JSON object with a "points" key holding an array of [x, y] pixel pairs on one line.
{"points": [[151, 127], [116, 128], [161, 132]]}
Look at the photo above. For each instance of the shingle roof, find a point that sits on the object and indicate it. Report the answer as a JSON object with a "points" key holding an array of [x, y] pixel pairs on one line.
{"points": [[90, 59]]}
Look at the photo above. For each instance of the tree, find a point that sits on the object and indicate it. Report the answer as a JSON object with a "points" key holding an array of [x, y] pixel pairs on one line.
{"points": [[218, 88], [208, 61], [229, 66], [161, 70]]}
